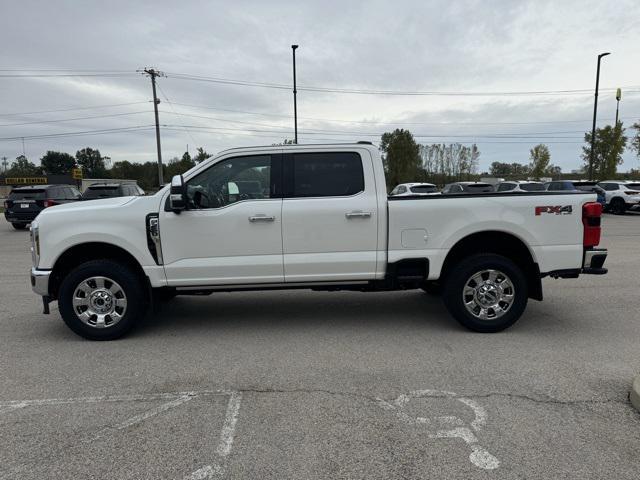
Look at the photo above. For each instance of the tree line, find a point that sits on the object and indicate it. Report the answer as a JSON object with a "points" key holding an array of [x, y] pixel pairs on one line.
{"points": [[95, 165], [407, 161]]}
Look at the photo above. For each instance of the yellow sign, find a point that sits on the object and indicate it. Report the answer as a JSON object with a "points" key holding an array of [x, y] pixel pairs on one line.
{"points": [[77, 173], [25, 180]]}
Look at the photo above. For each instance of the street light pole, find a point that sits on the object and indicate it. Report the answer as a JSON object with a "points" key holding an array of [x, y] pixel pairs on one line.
{"points": [[595, 112], [618, 97], [295, 102]]}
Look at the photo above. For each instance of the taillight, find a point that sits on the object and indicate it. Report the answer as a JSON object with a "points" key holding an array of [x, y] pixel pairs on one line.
{"points": [[49, 203], [591, 216]]}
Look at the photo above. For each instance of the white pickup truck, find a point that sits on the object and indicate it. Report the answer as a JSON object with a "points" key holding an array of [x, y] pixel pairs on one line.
{"points": [[307, 216]]}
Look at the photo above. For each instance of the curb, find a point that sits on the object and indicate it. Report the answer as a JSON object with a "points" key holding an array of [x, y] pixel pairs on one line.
{"points": [[634, 396]]}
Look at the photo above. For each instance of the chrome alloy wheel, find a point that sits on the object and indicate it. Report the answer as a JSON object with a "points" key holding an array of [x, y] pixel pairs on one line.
{"points": [[99, 302], [488, 294]]}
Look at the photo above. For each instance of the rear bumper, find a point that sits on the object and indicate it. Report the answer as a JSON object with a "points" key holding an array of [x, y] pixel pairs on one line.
{"points": [[593, 261], [592, 264], [17, 217], [40, 281]]}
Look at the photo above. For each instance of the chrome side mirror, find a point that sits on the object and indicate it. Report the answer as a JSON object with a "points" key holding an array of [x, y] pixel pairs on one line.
{"points": [[177, 195]]}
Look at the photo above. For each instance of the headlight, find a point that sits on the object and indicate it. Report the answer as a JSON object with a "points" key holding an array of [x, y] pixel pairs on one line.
{"points": [[34, 232]]}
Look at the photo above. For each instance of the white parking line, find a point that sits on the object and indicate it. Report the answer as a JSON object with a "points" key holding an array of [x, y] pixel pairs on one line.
{"points": [[143, 416], [216, 470], [454, 426]]}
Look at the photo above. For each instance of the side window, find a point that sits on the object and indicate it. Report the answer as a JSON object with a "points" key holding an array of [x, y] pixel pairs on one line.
{"points": [[505, 187], [612, 187], [455, 189], [331, 174], [230, 181]]}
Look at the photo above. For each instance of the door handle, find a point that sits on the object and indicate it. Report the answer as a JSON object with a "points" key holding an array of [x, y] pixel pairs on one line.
{"points": [[261, 218], [358, 214]]}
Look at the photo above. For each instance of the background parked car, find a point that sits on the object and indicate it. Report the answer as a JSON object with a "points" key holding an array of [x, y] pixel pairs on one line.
{"points": [[25, 203], [468, 187], [578, 186], [109, 190], [621, 195], [413, 189], [520, 186]]}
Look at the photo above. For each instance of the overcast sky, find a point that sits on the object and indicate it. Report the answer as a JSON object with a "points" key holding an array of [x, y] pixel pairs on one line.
{"points": [[457, 47]]}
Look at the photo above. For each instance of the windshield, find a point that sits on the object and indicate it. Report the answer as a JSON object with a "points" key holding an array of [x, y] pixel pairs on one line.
{"points": [[100, 192], [424, 189], [532, 187], [28, 194]]}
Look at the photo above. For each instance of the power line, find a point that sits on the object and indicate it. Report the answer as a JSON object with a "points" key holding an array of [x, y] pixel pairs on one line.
{"points": [[174, 111], [42, 75], [282, 86], [72, 119], [73, 108], [81, 133], [381, 122]]}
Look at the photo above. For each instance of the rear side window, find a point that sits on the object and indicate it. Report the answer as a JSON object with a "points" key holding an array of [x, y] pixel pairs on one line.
{"points": [[331, 174], [27, 194], [633, 186], [532, 187], [100, 192], [423, 189], [479, 188]]}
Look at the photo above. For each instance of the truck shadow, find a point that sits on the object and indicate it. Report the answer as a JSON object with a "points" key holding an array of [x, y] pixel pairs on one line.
{"points": [[299, 309]]}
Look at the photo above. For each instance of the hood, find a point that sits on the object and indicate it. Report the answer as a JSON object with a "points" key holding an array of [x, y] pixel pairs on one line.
{"points": [[91, 204]]}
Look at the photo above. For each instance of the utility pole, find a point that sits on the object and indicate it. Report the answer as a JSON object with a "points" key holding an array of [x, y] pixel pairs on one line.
{"points": [[295, 102], [595, 112], [5, 164], [618, 97], [153, 73]]}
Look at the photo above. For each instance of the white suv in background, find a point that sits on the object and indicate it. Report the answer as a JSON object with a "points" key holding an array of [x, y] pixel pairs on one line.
{"points": [[414, 189], [520, 186], [621, 195]]}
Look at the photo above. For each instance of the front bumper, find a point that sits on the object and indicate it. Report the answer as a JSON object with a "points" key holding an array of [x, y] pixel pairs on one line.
{"points": [[40, 281]]}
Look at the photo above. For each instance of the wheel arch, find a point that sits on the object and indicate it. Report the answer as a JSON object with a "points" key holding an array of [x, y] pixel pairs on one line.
{"points": [[84, 252], [500, 243]]}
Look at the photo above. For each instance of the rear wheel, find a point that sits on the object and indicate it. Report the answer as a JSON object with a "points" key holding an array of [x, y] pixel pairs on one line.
{"points": [[486, 292], [19, 226], [618, 206], [102, 300]]}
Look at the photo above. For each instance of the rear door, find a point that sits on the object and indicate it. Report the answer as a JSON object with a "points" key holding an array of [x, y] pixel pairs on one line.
{"points": [[329, 216]]}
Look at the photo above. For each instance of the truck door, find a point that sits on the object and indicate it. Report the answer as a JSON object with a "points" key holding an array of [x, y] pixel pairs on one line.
{"points": [[329, 216], [231, 232]]}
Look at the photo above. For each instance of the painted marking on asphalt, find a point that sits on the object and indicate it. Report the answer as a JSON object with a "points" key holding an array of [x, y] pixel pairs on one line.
{"points": [[143, 416], [172, 400], [453, 426], [145, 397], [216, 470]]}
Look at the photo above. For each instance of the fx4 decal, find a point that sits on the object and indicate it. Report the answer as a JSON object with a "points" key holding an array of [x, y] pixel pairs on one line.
{"points": [[556, 210]]}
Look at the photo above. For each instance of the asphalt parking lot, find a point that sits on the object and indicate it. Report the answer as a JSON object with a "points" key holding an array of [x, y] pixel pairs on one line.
{"points": [[304, 385]]}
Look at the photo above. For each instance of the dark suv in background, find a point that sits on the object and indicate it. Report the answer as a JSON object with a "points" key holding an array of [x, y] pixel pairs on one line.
{"points": [[25, 203], [109, 190]]}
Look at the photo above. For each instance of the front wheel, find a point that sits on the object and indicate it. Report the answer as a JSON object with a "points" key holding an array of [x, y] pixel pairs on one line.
{"points": [[486, 292], [102, 300]]}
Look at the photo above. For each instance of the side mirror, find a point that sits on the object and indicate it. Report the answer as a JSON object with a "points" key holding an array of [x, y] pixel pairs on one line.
{"points": [[177, 195]]}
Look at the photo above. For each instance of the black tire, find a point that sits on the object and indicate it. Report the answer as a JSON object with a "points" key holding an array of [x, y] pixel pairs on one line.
{"points": [[458, 277], [432, 288], [618, 206], [19, 226], [137, 301]]}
